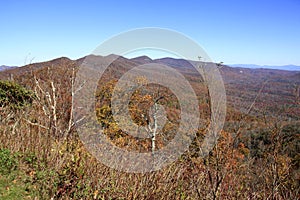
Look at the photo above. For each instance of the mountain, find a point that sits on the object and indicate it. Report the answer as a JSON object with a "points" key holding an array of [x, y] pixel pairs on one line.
{"points": [[61, 123], [4, 67], [272, 89], [280, 67], [141, 60], [174, 62]]}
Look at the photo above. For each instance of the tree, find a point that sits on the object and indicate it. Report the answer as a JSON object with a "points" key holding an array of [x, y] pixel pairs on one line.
{"points": [[14, 95]]}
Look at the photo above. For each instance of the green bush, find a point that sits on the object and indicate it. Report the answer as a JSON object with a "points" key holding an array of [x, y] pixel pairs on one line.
{"points": [[8, 161], [14, 95]]}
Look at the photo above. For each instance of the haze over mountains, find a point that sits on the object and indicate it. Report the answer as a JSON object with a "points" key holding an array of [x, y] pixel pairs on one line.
{"points": [[4, 67], [279, 67]]}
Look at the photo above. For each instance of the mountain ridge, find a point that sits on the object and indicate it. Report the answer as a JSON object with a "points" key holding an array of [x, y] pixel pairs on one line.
{"points": [[242, 84], [289, 67], [5, 67]]}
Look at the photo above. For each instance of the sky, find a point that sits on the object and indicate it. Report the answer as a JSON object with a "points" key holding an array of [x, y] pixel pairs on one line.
{"points": [[263, 32]]}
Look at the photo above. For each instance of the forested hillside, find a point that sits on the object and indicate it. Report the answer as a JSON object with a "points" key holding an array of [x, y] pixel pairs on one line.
{"points": [[257, 155]]}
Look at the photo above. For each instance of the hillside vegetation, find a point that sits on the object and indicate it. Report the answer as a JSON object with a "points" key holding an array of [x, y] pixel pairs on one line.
{"points": [[41, 156]]}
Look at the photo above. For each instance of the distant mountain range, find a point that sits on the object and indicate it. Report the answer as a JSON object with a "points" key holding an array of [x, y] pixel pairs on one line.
{"points": [[282, 67], [167, 60], [4, 67]]}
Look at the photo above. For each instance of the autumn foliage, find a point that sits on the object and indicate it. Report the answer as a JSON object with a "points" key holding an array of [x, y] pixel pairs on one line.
{"points": [[256, 156]]}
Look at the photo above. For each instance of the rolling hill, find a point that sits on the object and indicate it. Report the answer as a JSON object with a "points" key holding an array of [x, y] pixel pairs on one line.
{"points": [[272, 89]]}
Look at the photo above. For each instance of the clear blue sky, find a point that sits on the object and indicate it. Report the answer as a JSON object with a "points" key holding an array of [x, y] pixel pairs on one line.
{"points": [[232, 31]]}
